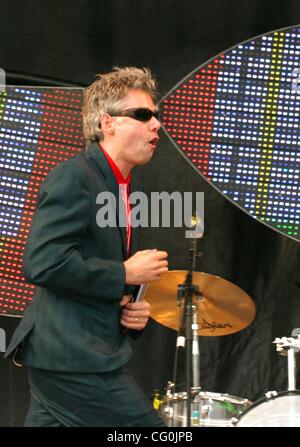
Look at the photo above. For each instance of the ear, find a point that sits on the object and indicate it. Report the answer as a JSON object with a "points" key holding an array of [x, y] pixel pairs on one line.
{"points": [[108, 124]]}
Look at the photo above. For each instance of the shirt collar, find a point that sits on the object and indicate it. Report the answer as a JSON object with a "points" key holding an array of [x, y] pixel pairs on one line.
{"points": [[118, 174]]}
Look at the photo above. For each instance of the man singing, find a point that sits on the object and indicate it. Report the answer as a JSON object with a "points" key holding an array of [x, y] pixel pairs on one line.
{"points": [[74, 335]]}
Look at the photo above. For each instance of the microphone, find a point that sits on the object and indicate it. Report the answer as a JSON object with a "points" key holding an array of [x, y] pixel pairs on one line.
{"points": [[139, 292]]}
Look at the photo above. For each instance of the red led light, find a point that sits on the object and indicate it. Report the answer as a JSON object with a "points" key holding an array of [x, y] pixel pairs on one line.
{"points": [[60, 137]]}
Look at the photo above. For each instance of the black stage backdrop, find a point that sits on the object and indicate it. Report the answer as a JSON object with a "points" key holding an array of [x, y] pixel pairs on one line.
{"points": [[74, 40]]}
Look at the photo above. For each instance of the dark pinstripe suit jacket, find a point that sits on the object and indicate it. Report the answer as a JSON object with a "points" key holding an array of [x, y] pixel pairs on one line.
{"points": [[73, 322]]}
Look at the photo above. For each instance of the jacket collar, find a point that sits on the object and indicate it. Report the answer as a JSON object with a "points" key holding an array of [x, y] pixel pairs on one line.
{"points": [[112, 185]]}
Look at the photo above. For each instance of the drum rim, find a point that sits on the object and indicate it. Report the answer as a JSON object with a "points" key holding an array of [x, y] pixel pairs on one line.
{"points": [[266, 399], [182, 395]]}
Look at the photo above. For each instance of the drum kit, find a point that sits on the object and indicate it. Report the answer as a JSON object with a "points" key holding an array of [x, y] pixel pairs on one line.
{"points": [[208, 305], [277, 409]]}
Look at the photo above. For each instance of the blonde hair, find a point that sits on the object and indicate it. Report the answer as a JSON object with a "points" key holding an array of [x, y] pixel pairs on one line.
{"points": [[105, 95]]}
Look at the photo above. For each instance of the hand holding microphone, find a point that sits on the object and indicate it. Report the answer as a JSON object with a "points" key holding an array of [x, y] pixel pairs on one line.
{"points": [[145, 266]]}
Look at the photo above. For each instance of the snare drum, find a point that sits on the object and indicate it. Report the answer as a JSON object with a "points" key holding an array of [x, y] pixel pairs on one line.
{"points": [[276, 410], [207, 409]]}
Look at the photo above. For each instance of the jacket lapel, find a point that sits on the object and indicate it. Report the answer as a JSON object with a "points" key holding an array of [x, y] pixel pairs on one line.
{"points": [[134, 186], [112, 185]]}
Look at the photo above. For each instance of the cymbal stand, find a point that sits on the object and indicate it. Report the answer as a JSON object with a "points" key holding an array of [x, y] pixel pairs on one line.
{"points": [[189, 327], [195, 348], [289, 346]]}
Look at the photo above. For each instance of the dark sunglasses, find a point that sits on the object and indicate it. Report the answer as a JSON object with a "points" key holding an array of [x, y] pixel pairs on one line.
{"points": [[141, 114]]}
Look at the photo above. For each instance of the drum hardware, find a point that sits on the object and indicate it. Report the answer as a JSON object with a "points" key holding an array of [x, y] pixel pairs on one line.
{"points": [[204, 305], [289, 346], [208, 409], [271, 394], [195, 348], [187, 336], [277, 409]]}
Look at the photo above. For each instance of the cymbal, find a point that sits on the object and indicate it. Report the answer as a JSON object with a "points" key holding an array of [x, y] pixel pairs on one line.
{"points": [[223, 309]]}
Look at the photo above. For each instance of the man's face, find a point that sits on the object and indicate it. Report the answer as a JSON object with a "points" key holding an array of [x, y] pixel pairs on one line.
{"points": [[137, 139]]}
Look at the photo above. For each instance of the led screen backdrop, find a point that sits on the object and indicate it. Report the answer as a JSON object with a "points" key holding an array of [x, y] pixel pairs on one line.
{"points": [[39, 128], [236, 119]]}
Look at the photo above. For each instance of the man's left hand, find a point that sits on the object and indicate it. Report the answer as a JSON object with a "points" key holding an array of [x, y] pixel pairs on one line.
{"points": [[134, 315]]}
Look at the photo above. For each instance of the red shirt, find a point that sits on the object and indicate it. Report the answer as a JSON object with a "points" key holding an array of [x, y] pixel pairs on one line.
{"points": [[124, 188]]}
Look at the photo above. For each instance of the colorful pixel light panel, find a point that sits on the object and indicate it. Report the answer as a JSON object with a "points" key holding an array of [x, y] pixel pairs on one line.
{"points": [[39, 128], [237, 120]]}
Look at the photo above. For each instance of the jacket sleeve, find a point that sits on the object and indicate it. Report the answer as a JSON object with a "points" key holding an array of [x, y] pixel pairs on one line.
{"points": [[51, 256]]}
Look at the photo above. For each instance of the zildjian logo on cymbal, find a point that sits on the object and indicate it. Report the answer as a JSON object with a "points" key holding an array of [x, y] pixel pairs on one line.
{"points": [[203, 324]]}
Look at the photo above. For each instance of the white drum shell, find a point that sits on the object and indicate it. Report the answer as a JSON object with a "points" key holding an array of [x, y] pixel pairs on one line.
{"points": [[282, 410]]}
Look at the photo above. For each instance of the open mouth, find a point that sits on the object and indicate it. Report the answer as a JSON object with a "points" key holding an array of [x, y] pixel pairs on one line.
{"points": [[154, 141]]}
